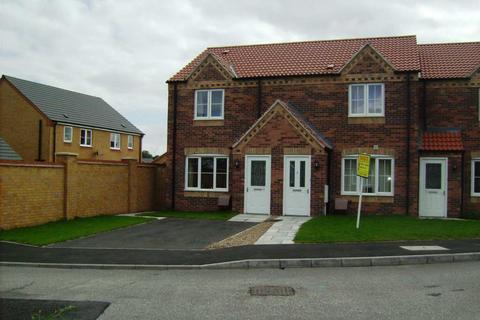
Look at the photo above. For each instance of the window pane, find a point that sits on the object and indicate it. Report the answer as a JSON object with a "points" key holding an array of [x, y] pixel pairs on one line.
{"points": [[207, 165], [221, 181], [302, 174], [221, 165], [369, 183], [202, 103], [217, 97], [433, 176], [192, 173], [206, 180], [350, 175], [216, 110], [257, 174], [384, 175], [476, 174], [89, 137], [357, 99], [292, 174], [221, 173], [67, 134], [375, 98]]}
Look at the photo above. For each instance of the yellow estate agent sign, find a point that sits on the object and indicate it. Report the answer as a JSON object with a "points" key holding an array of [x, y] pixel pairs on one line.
{"points": [[363, 165], [363, 168]]}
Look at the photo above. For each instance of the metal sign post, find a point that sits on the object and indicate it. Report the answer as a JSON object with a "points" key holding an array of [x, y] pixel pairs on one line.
{"points": [[363, 169]]}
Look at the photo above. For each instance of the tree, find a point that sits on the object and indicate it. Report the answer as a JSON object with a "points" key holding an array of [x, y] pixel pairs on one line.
{"points": [[146, 154]]}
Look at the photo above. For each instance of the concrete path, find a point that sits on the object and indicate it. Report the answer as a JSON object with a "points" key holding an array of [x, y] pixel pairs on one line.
{"points": [[282, 231], [246, 217]]}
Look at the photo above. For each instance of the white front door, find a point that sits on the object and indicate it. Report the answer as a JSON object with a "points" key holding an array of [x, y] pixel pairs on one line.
{"points": [[296, 186], [257, 184], [433, 187]]}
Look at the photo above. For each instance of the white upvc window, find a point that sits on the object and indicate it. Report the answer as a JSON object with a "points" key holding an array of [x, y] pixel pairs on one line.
{"points": [[380, 181], [475, 177], [85, 137], [67, 134], [115, 141], [209, 104], [366, 100], [206, 173], [130, 142]]}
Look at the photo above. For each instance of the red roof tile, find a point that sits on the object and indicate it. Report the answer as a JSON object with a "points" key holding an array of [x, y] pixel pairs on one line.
{"points": [[449, 60], [442, 141], [307, 58]]}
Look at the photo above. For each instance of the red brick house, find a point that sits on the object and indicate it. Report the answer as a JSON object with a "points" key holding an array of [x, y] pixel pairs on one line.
{"points": [[272, 125]]}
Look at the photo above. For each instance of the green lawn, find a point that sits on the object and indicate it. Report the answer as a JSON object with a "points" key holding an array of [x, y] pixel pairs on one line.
{"points": [[384, 228], [212, 215], [66, 230]]}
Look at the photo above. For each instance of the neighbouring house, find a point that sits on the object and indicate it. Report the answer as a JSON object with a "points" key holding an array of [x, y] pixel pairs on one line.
{"points": [[278, 128], [38, 121]]}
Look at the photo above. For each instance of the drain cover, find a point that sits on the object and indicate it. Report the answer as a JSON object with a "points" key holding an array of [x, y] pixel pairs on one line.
{"points": [[271, 291]]}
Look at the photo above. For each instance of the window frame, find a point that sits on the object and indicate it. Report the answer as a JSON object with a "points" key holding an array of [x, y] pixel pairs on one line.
{"points": [[377, 159], [113, 135], [209, 105], [365, 104], [199, 171], [71, 134], [86, 135], [130, 146], [472, 177]]}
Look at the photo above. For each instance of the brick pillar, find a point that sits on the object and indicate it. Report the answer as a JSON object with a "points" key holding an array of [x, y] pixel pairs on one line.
{"points": [[71, 182], [132, 183]]}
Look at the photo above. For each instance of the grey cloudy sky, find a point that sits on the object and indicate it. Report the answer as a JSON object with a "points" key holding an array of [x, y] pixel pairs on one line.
{"points": [[124, 51]]}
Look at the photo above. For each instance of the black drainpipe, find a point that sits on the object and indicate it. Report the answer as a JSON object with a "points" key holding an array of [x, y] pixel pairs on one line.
{"points": [[55, 141], [462, 180], [329, 179], [174, 143], [408, 143], [259, 98], [39, 157], [424, 105]]}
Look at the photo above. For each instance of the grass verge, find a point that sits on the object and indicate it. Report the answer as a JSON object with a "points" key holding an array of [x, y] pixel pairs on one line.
{"points": [[66, 230], [384, 228], [213, 215]]}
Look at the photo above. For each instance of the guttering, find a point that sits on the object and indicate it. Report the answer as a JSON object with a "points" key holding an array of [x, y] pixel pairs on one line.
{"points": [[174, 143], [408, 143]]}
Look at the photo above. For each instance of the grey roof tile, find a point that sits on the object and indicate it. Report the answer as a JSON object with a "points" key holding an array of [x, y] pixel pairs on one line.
{"points": [[6, 152], [72, 107]]}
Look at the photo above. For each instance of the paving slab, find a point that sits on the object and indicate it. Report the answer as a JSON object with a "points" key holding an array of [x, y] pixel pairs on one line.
{"points": [[247, 217], [283, 231]]}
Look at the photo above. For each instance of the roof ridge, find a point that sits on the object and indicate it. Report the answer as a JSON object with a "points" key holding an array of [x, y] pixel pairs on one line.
{"points": [[446, 43], [309, 41], [48, 85]]}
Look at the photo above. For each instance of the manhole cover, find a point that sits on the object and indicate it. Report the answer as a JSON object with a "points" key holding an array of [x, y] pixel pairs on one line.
{"points": [[271, 291]]}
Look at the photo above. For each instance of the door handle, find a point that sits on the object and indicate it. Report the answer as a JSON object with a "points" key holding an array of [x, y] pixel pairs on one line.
{"points": [[296, 190]]}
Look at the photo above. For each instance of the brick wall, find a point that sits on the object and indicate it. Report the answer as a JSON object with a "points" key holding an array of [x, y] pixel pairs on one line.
{"points": [[31, 194], [36, 193]]}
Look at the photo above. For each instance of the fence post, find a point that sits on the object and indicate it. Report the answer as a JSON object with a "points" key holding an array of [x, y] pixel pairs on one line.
{"points": [[132, 183], [70, 176]]}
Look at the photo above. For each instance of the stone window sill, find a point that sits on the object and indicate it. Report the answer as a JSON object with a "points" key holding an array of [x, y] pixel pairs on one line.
{"points": [[208, 123], [366, 120]]}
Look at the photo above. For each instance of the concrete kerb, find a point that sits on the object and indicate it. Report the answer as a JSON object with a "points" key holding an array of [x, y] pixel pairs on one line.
{"points": [[272, 263]]}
